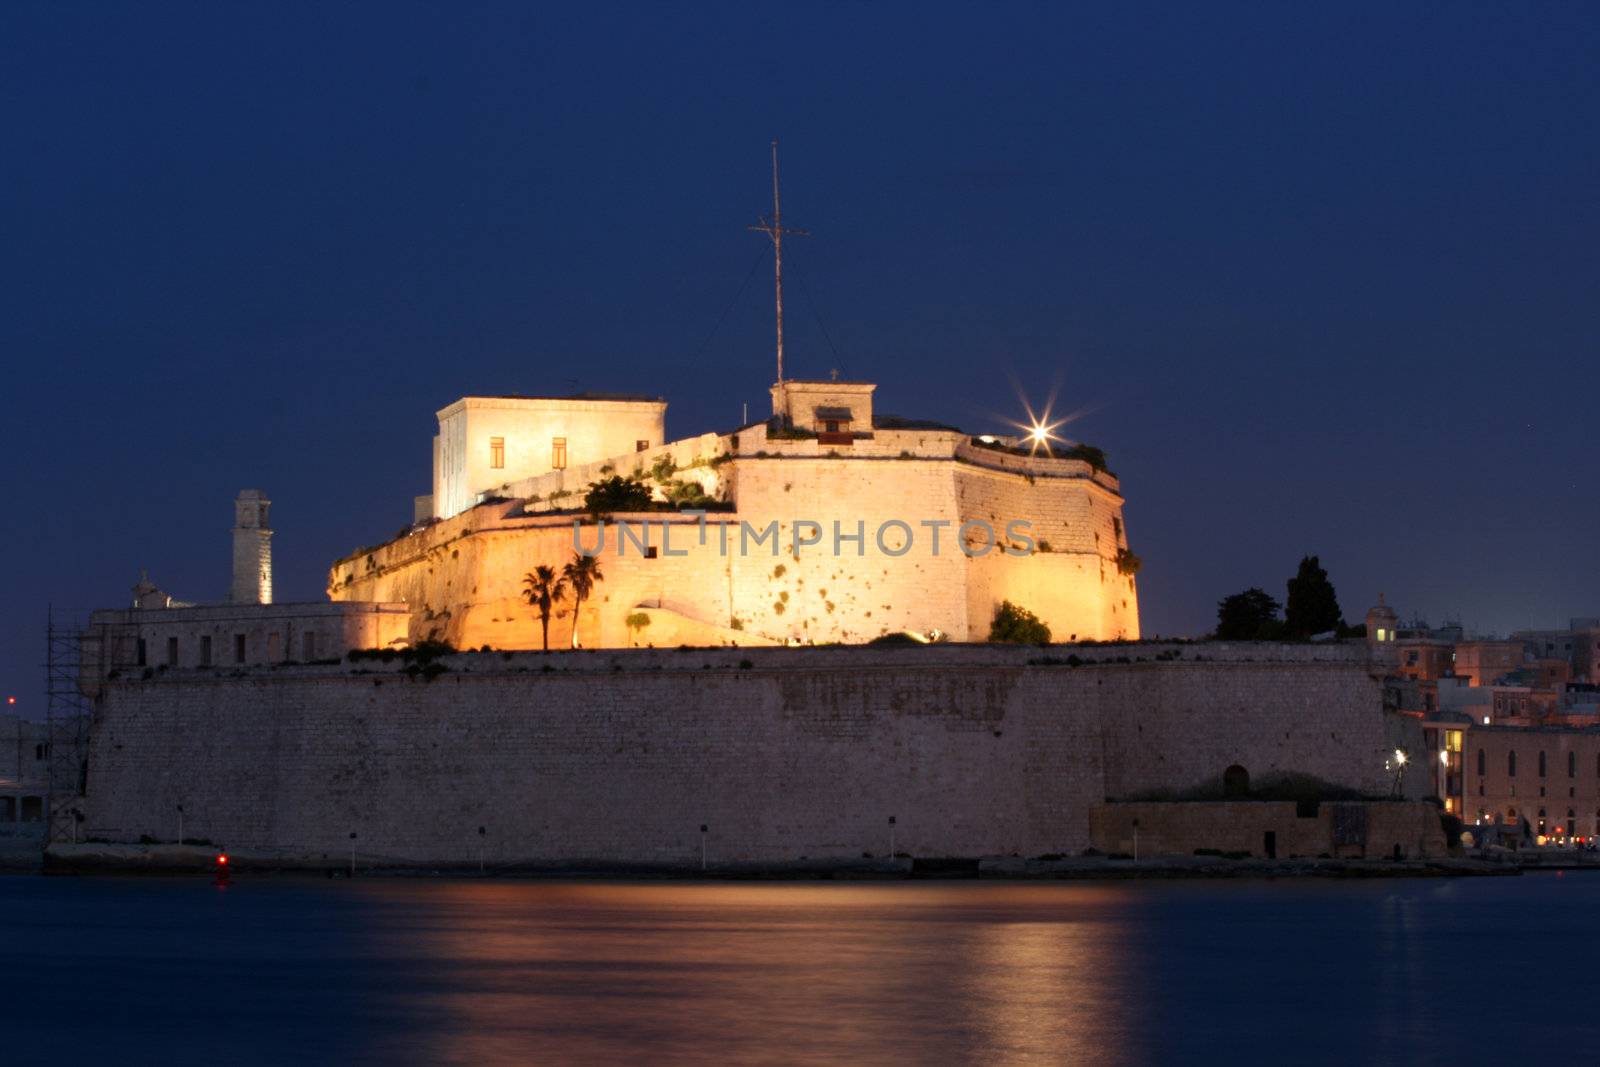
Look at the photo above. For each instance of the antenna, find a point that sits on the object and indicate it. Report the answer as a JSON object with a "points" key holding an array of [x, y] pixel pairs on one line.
{"points": [[775, 230]]}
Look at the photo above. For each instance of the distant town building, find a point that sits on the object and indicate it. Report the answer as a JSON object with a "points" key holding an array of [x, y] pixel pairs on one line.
{"points": [[1511, 726]]}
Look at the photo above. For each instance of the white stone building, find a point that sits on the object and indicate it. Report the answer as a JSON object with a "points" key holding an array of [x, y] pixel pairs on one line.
{"points": [[487, 442]]}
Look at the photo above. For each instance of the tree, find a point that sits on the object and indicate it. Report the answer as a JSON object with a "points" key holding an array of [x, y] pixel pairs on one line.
{"points": [[1313, 607], [543, 590], [1248, 616], [1018, 626], [581, 574], [617, 494]]}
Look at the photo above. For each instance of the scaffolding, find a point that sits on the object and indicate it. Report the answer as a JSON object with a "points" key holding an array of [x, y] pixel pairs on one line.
{"points": [[68, 713]]}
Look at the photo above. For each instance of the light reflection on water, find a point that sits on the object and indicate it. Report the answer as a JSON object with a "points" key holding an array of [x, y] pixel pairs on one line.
{"points": [[771, 973], [271, 971]]}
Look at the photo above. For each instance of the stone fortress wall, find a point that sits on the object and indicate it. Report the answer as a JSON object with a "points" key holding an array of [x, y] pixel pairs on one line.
{"points": [[463, 576], [784, 754]]}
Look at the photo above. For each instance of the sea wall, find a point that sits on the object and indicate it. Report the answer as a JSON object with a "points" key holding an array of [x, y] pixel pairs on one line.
{"points": [[783, 754]]}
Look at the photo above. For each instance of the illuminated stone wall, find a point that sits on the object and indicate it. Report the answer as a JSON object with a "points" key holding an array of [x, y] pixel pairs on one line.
{"points": [[463, 577], [784, 753]]}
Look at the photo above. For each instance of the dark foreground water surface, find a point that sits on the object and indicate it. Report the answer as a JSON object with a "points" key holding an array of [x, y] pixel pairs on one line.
{"points": [[389, 971]]}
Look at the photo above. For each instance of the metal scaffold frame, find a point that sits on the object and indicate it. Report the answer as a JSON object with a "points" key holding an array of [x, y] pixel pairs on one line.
{"points": [[68, 712]]}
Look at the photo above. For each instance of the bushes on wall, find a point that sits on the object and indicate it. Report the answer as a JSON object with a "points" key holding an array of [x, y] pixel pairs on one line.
{"points": [[1018, 626], [617, 494]]}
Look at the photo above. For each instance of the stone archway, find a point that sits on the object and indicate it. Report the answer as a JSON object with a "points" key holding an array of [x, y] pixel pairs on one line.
{"points": [[1235, 782]]}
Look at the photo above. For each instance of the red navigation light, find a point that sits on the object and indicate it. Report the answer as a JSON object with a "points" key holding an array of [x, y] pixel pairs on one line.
{"points": [[11, 700], [222, 860]]}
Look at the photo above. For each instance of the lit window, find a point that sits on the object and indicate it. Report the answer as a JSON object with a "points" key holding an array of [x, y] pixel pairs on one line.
{"points": [[497, 452], [558, 454]]}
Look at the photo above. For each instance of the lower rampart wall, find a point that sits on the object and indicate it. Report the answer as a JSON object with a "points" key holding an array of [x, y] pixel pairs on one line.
{"points": [[783, 754]]}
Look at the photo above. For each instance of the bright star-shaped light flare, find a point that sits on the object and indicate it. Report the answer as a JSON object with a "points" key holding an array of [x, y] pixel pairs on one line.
{"points": [[1040, 430]]}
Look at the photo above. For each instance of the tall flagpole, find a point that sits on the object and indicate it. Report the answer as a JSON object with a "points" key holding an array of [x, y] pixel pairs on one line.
{"points": [[775, 230]]}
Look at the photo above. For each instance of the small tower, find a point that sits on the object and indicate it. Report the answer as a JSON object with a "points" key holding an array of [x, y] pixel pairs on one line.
{"points": [[1381, 622], [252, 549]]}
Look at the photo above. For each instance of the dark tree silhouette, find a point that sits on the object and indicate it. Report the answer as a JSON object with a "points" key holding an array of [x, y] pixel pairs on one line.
{"points": [[1312, 608], [1248, 616]]}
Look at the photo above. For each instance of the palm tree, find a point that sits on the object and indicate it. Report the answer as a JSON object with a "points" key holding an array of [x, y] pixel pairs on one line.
{"points": [[544, 590], [581, 574]]}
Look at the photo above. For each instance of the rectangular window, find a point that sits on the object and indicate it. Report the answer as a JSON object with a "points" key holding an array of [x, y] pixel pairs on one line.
{"points": [[205, 651], [238, 648], [640, 446], [141, 651], [308, 646], [497, 452], [172, 651], [274, 647], [558, 454]]}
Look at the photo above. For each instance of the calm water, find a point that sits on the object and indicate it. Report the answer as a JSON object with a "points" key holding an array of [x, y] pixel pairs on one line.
{"points": [[386, 971]]}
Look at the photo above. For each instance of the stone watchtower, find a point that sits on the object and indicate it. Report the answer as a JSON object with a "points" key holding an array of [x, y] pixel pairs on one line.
{"points": [[252, 549], [1382, 621]]}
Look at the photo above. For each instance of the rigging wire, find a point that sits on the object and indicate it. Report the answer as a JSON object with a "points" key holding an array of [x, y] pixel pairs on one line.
{"points": [[723, 317], [812, 304]]}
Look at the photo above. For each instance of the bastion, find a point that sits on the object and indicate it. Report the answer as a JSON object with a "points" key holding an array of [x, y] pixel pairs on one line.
{"points": [[826, 523], [764, 756]]}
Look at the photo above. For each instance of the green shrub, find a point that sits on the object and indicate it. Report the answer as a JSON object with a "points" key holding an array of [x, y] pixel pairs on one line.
{"points": [[617, 494], [1018, 626], [663, 468]]}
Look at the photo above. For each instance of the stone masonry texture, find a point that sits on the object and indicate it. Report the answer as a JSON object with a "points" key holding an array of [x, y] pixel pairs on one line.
{"points": [[620, 756]]}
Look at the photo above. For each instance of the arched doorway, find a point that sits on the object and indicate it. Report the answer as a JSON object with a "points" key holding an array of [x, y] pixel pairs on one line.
{"points": [[1235, 782]]}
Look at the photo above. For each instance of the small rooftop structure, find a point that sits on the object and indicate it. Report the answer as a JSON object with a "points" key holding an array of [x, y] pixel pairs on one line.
{"points": [[824, 407]]}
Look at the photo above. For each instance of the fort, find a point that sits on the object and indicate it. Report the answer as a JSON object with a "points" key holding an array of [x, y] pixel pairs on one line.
{"points": [[770, 653], [777, 660]]}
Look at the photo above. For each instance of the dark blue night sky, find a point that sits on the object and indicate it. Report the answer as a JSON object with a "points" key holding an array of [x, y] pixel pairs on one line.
{"points": [[1322, 277]]}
